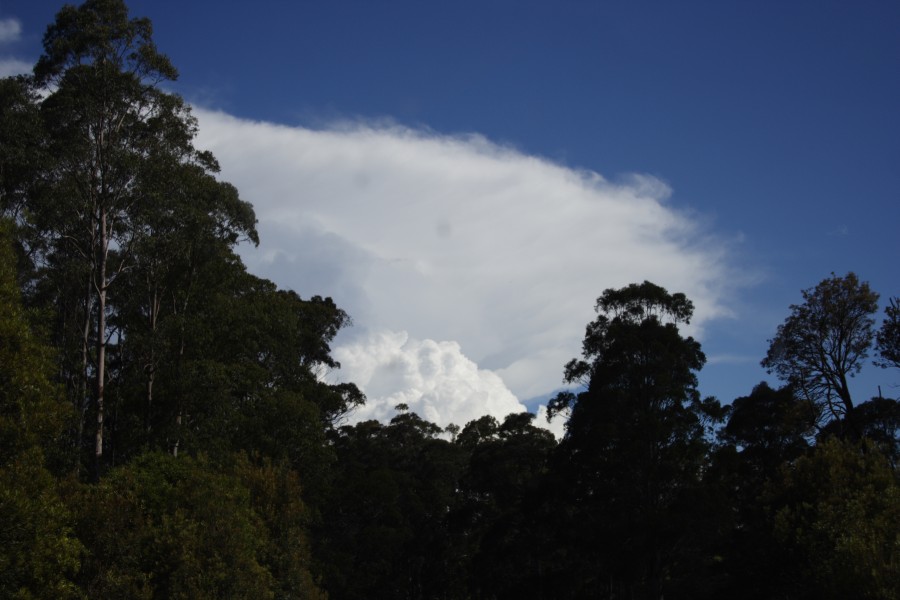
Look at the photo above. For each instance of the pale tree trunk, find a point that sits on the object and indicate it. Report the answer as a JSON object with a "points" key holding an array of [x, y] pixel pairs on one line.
{"points": [[150, 366], [179, 398], [82, 391], [178, 435], [180, 309], [101, 287]]}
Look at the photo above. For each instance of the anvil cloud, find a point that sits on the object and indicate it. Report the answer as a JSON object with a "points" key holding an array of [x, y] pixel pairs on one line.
{"points": [[469, 268]]}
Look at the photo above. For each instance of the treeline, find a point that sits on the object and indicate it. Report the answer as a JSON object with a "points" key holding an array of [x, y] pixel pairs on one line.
{"points": [[165, 431]]}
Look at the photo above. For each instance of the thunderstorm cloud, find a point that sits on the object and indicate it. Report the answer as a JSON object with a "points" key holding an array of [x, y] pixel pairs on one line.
{"points": [[470, 268]]}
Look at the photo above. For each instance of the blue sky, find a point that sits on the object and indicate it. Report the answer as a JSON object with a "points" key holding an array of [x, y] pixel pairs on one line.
{"points": [[737, 151]]}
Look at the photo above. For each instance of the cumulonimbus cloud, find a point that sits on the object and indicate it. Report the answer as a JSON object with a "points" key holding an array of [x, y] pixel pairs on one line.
{"points": [[434, 379], [456, 239]]}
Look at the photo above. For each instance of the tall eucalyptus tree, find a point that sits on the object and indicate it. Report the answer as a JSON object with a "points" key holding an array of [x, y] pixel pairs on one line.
{"points": [[123, 189], [631, 463]]}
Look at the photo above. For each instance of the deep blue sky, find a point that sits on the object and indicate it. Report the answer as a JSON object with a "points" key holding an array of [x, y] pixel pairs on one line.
{"points": [[777, 123]]}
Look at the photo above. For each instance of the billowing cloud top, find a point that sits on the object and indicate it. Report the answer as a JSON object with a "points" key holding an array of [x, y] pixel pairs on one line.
{"points": [[497, 255], [433, 378]]}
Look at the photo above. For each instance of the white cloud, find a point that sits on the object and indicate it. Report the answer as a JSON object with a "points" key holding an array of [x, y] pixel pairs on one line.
{"points": [[433, 378], [10, 30], [456, 238], [13, 66], [557, 425]]}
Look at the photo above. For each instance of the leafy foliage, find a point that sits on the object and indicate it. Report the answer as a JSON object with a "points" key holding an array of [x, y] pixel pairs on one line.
{"points": [[500, 511], [635, 444], [166, 527], [385, 520], [838, 514], [38, 552], [824, 342], [888, 336]]}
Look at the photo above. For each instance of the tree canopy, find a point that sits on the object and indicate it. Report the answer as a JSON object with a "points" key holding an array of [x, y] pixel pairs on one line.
{"points": [[635, 440], [888, 336], [824, 342]]}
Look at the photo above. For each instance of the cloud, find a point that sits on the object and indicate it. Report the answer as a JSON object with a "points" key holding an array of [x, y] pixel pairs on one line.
{"points": [[433, 378], [557, 426], [13, 66], [457, 238], [10, 30], [731, 359]]}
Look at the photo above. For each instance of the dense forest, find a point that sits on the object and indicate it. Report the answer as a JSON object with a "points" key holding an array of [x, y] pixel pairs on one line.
{"points": [[165, 432]]}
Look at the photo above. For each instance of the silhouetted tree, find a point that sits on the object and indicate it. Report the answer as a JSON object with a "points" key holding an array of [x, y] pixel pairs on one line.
{"points": [[824, 342], [888, 337], [635, 447]]}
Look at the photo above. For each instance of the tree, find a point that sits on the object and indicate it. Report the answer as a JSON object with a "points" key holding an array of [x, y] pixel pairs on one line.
{"points": [[21, 159], [124, 255], [888, 337], [38, 550], [384, 524], [770, 427], [498, 522], [635, 445], [837, 518], [174, 266], [823, 342], [276, 497], [31, 412], [117, 200], [880, 422], [180, 527], [765, 430], [101, 69], [245, 378]]}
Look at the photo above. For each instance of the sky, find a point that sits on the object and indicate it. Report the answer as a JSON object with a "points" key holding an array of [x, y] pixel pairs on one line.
{"points": [[465, 178]]}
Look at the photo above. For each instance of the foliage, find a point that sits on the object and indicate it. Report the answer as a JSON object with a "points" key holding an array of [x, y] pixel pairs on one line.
{"points": [[21, 160], [125, 208], [385, 520], [166, 527], [888, 336], [824, 341], [770, 427], [125, 242], [635, 444], [31, 412], [764, 431], [499, 513], [879, 421], [38, 551], [838, 514], [276, 497]]}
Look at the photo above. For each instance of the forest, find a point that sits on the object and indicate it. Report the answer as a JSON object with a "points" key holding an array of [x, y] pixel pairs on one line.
{"points": [[165, 431]]}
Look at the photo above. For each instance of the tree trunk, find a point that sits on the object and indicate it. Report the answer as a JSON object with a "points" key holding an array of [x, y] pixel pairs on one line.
{"points": [[101, 285], [82, 391], [150, 366]]}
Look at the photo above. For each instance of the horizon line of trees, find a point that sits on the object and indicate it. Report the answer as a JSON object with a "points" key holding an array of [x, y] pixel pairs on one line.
{"points": [[165, 432]]}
